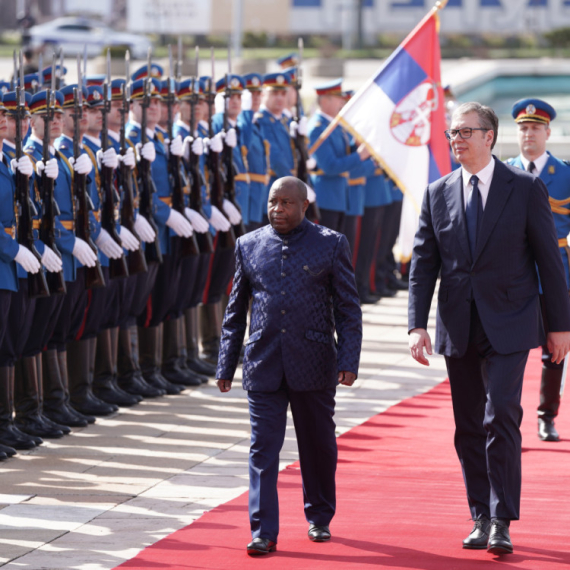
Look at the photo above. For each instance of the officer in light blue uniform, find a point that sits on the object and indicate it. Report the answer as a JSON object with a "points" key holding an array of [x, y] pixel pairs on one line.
{"points": [[258, 151], [533, 117], [335, 157], [237, 85], [274, 126]]}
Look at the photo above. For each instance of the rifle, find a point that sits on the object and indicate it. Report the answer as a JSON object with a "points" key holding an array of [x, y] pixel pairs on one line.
{"points": [[146, 183], [196, 176], [37, 284], [56, 281], [230, 167], [313, 212], [111, 200], [93, 275], [136, 259], [226, 240], [186, 246]]}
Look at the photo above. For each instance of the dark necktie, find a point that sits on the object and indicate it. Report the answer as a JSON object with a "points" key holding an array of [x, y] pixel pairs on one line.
{"points": [[531, 167], [473, 211]]}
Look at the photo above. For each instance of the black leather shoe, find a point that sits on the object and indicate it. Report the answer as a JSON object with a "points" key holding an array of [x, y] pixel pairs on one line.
{"points": [[387, 292], [261, 546], [369, 299], [547, 431], [499, 538], [479, 536], [319, 533]]}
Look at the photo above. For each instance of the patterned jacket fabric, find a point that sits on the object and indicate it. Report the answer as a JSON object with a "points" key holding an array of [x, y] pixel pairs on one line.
{"points": [[302, 290]]}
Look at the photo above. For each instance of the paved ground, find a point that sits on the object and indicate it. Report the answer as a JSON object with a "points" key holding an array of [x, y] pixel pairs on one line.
{"points": [[97, 497]]}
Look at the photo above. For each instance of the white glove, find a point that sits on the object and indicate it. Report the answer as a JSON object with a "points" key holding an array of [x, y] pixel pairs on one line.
{"points": [[51, 168], [147, 151], [231, 138], [83, 253], [311, 195], [82, 165], [216, 144], [246, 100], [107, 245], [144, 229], [199, 223], [130, 242], [176, 146], [24, 165], [129, 158], [293, 129], [196, 145], [219, 221], [303, 126], [311, 163], [179, 224], [108, 158], [27, 260], [51, 261], [232, 212]]}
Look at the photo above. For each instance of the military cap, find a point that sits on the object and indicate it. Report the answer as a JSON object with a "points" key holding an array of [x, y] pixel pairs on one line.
{"points": [[138, 86], [95, 96], [448, 92], [291, 72], [59, 73], [288, 60], [205, 82], [4, 88], [237, 84], [533, 111], [31, 81], [164, 90], [142, 72], [69, 97], [333, 87], [276, 80], [10, 102], [253, 81], [117, 86], [185, 89], [98, 79], [39, 99], [347, 95]]}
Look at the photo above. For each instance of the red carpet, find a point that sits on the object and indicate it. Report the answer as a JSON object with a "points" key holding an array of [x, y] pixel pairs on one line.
{"points": [[401, 502]]}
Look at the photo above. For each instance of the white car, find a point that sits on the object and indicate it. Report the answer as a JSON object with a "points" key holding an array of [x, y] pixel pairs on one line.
{"points": [[71, 34]]}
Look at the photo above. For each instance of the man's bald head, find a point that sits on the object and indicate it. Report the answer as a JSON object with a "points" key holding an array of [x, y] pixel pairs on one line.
{"points": [[287, 204]]}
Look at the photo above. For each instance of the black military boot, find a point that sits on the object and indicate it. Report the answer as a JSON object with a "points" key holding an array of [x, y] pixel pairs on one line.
{"points": [[549, 404], [183, 353], [6, 451], [62, 359], [10, 435], [55, 395], [129, 374], [104, 379], [171, 368], [27, 402], [81, 362], [211, 330], [193, 359], [150, 354]]}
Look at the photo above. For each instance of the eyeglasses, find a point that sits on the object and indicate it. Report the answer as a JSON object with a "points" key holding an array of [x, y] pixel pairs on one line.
{"points": [[465, 133]]}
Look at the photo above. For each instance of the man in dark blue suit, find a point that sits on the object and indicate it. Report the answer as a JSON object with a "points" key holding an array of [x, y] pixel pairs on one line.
{"points": [[299, 279], [487, 227]]}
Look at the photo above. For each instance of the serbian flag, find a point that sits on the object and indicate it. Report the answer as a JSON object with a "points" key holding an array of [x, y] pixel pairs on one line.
{"points": [[400, 114]]}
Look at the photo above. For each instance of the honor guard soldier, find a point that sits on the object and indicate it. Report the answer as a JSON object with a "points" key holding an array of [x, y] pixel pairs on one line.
{"points": [[335, 157], [287, 63], [258, 152], [274, 126], [60, 72], [76, 253], [533, 117], [170, 223]]}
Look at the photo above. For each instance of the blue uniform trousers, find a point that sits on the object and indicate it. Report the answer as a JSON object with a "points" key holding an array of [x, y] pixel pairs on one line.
{"points": [[188, 267], [45, 318], [144, 286], [333, 220], [220, 273], [372, 222], [313, 413], [486, 392], [350, 231], [385, 262], [5, 301]]}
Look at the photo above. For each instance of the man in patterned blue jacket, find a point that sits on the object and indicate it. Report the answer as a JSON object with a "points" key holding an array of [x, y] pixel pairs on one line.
{"points": [[299, 279]]}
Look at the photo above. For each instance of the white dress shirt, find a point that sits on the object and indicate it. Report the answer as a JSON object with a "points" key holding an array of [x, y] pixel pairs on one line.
{"points": [[539, 163], [485, 177]]}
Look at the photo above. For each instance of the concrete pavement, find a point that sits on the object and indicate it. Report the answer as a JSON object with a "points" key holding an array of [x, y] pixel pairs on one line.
{"points": [[97, 497]]}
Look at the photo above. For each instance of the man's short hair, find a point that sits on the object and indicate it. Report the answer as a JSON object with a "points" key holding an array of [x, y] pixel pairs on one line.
{"points": [[291, 181], [487, 117]]}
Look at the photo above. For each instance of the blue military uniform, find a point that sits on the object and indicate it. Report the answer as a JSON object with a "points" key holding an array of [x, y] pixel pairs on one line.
{"points": [[537, 114]]}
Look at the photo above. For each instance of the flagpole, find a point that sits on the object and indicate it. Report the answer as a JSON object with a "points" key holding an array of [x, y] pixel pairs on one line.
{"points": [[439, 5]]}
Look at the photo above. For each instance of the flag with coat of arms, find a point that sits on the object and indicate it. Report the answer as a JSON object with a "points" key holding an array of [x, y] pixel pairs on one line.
{"points": [[400, 115]]}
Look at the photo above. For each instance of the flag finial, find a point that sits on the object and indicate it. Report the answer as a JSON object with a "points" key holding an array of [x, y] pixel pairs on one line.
{"points": [[441, 4]]}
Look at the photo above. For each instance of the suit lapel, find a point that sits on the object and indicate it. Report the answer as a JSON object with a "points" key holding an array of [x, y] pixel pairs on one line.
{"points": [[453, 193], [501, 188]]}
